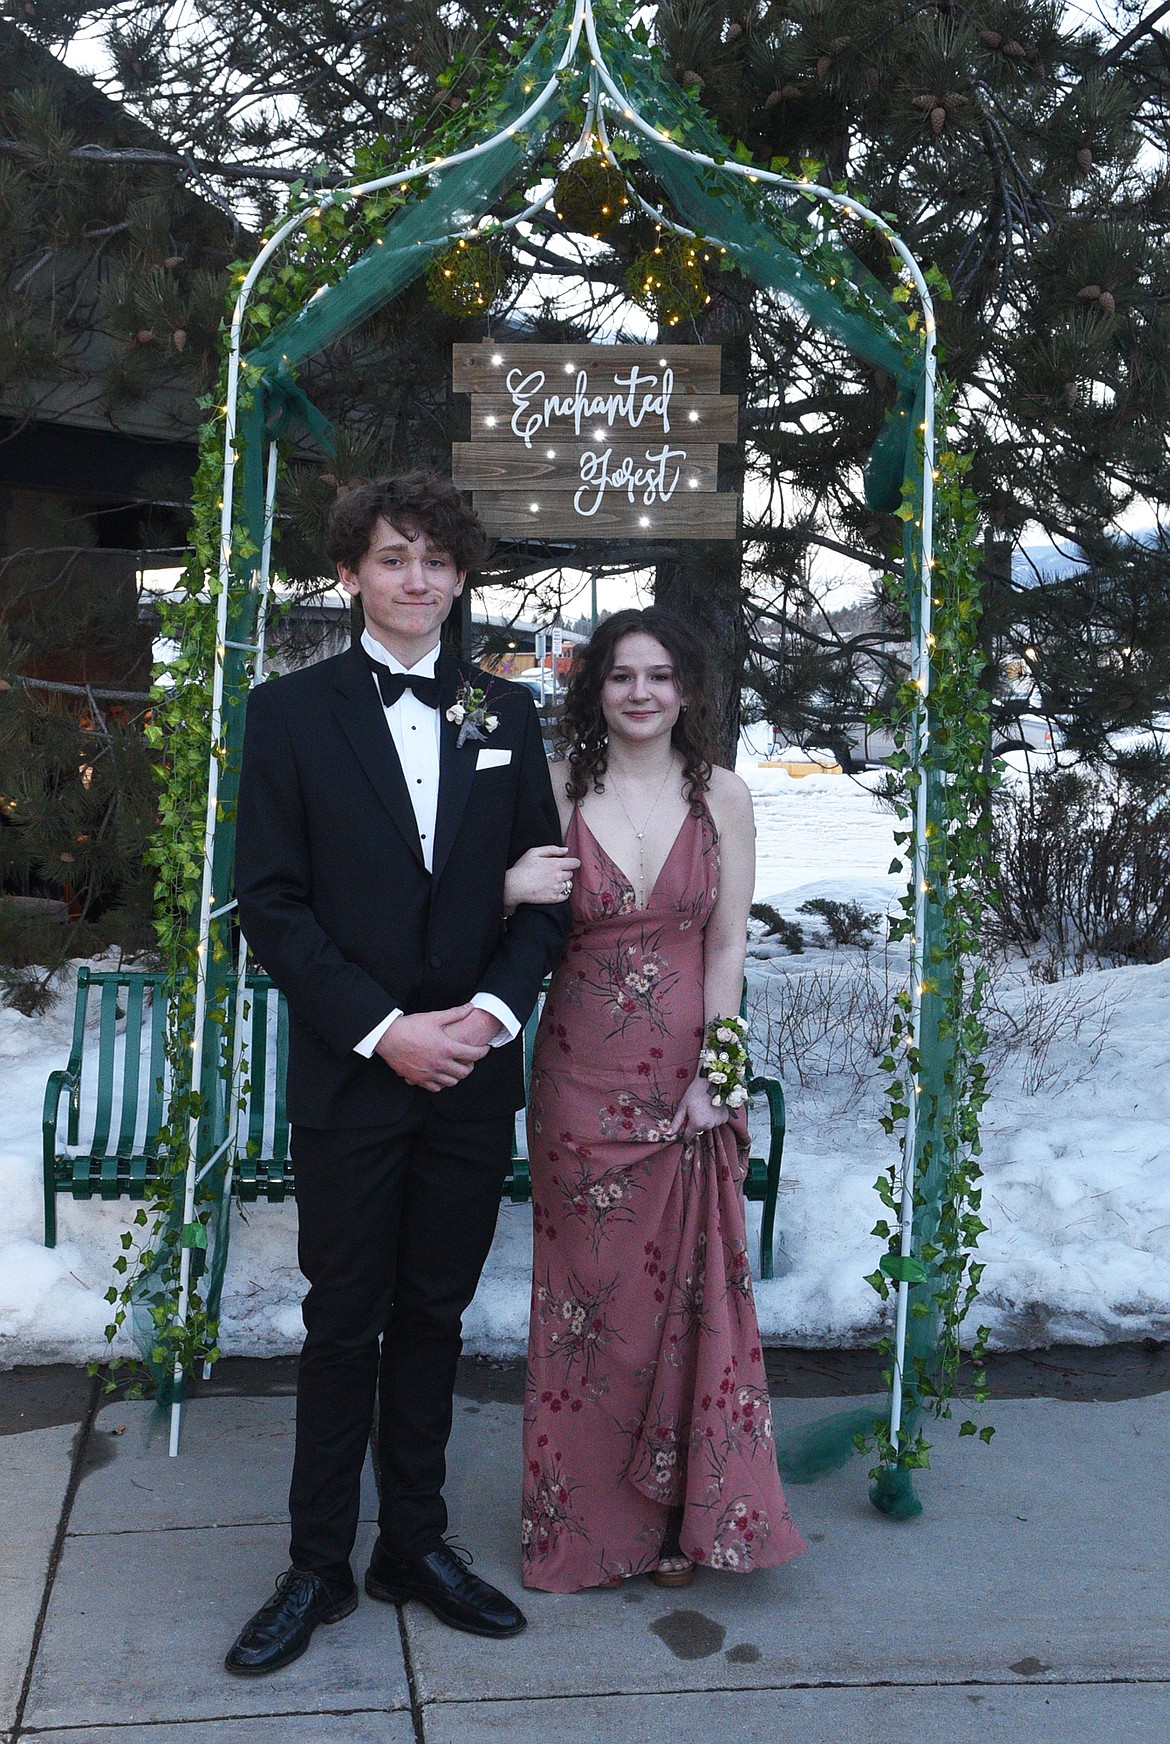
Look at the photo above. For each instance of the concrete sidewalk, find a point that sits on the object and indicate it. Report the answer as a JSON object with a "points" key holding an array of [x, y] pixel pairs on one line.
{"points": [[1029, 1605]]}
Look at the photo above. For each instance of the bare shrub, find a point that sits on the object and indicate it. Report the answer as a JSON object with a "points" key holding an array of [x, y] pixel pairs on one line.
{"points": [[1081, 874], [834, 1022], [1054, 1034], [824, 1022]]}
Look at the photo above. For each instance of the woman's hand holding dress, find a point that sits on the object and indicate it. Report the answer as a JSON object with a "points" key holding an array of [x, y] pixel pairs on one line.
{"points": [[696, 1113]]}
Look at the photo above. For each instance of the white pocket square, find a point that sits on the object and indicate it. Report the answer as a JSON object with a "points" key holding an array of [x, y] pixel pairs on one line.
{"points": [[492, 759]]}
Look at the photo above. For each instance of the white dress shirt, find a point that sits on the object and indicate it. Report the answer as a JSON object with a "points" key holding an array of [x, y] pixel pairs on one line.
{"points": [[415, 730]]}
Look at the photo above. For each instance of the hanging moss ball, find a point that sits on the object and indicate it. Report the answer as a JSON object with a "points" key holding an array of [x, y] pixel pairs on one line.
{"points": [[591, 196], [466, 279], [667, 280]]}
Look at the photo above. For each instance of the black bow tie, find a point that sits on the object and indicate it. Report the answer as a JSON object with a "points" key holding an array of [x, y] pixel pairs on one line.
{"points": [[392, 684]]}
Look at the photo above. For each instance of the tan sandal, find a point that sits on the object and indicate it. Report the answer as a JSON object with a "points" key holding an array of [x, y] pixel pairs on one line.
{"points": [[672, 1551], [673, 1577]]}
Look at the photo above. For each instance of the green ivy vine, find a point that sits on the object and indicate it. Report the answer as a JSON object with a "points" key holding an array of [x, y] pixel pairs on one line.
{"points": [[944, 1273], [335, 234]]}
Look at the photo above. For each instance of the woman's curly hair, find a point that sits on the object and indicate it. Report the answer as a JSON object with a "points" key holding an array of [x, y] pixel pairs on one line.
{"points": [[583, 736]]}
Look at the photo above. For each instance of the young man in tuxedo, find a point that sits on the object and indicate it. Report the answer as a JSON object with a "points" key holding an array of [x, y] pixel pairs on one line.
{"points": [[371, 854]]}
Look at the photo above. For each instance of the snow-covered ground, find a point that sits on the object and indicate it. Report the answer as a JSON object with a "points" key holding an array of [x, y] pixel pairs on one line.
{"points": [[1076, 1143]]}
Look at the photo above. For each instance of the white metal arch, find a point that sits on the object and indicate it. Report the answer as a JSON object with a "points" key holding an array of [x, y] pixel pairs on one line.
{"points": [[604, 91]]}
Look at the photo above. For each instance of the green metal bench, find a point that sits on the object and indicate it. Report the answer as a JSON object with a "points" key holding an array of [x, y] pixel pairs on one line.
{"points": [[121, 1099]]}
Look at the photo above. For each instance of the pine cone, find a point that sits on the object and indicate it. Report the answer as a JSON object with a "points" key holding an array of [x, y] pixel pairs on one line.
{"points": [[824, 62], [144, 336], [1108, 302], [1071, 394], [928, 100], [955, 100], [1016, 49], [790, 91], [691, 77], [991, 39], [773, 97], [734, 29], [179, 339], [1085, 159], [172, 261], [1089, 293], [938, 118]]}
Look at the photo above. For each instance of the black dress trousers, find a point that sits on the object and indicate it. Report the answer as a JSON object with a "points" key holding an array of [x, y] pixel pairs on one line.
{"points": [[395, 1227]]}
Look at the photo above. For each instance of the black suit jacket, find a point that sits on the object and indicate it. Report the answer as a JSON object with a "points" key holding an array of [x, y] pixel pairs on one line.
{"points": [[336, 902]]}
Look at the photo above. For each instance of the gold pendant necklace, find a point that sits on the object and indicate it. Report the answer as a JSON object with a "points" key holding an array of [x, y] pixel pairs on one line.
{"points": [[640, 833]]}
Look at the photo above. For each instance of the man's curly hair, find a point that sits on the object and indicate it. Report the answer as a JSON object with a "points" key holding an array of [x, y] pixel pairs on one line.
{"points": [[583, 735], [420, 501]]}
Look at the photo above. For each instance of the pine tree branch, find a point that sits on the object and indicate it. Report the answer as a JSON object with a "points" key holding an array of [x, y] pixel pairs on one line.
{"points": [[182, 161], [1143, 27], [86, 690]]}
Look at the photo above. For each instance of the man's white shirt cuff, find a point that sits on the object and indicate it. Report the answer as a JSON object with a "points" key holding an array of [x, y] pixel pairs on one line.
{"points": [[496, 1008], [485, 1001], [369, 1042]]}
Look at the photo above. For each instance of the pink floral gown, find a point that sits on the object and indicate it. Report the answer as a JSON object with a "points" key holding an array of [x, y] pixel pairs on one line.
{"points": [[645, 1386]]}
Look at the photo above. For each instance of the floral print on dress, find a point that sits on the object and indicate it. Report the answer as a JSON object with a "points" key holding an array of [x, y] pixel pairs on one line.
{"points": [[547, 1513], [646, 1387], [575, 1327]]}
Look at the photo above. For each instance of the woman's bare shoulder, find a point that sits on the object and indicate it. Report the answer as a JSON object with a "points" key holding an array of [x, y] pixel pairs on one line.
{"points": [[729, 797]]}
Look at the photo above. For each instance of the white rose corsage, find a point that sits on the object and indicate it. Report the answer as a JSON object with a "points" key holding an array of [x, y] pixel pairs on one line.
{"points": [[724, 1061], [469, 713]]}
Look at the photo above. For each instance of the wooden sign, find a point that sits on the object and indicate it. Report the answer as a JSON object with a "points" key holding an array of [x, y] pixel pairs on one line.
{"points": [[596, 441]]}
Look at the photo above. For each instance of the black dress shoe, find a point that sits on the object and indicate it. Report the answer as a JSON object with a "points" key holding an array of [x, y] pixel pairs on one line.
{"points": [[282, 1629], [441, 1580]]}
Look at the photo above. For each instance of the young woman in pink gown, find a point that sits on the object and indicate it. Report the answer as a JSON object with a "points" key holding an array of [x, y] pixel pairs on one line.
{"points": [[647, 1428]]}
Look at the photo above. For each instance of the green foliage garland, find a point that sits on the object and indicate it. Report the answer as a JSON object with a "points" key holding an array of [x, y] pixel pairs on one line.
{"points": [[944, 1273], [318, 255]]}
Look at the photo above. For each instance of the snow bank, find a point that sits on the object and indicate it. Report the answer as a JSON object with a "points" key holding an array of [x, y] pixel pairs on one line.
{"points": [[1076, 1152]]}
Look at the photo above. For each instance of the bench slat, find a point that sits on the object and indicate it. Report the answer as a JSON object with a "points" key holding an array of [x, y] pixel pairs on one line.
{"points": [[158, 1027], [105, 1084], [280, 1125], [257, 1033], [131, 1067]]}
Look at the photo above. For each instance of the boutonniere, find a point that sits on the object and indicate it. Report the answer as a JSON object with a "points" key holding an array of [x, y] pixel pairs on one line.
{"points": [[469, 714]]}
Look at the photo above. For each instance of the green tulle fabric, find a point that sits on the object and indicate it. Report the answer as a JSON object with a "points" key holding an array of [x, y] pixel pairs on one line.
{"points": [[826, 1444], [892, 1492]]}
